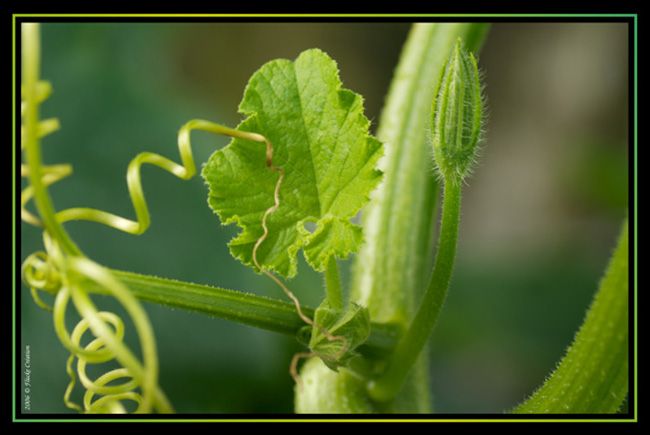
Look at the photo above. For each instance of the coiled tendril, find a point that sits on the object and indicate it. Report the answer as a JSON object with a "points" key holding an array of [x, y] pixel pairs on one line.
{"points": [[63, 273], [186, 171], [62, 270]]}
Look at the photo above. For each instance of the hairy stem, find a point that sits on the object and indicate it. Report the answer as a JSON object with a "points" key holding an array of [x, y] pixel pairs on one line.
{"points": [[392, 267], [411, 344], [333, 284], [246, 308], [593, 375]]}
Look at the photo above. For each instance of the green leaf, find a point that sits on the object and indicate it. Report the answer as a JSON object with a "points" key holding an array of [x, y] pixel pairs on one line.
{"points": [[593, 375], [320, 137]]}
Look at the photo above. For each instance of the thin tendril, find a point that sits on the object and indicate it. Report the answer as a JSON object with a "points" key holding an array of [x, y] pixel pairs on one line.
{"points": [[61, 268], [68, 390], [108, 345], [60, 273], [185, 171], [285, 289], [293, 368], [50, 175]]}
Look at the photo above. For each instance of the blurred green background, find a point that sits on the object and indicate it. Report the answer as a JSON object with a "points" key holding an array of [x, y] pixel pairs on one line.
{"points": [[540, 214]]}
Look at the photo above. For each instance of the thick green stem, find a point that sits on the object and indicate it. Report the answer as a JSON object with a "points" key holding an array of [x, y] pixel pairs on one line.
{"points": [[411, 344], [333, 284], [246, 308], [392, 268], [593, 375]]}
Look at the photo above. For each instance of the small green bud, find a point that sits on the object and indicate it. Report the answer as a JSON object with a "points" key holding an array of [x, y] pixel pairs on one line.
{"points": [[457, 116], [350, 326]]}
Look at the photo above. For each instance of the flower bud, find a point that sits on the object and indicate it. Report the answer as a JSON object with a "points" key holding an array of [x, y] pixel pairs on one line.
{"points": [[457, 116]]}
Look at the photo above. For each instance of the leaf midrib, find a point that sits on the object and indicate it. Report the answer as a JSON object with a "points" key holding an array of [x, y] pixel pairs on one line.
{"points": [[309, 141]]}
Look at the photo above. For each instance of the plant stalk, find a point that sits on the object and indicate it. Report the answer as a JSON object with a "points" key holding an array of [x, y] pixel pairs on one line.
{"points": [[392, 267], [593, 375], [414, 340], [30, 79], [333, 284], [246, 308]]}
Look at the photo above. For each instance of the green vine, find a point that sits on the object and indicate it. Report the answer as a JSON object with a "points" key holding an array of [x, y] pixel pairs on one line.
{"points": [[59, 268], [593, 375], [457, 123], [281, 172], [62, 267]]}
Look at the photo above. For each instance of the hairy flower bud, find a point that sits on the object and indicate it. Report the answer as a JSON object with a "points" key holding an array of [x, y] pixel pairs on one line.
{"points": [[457, 116]]}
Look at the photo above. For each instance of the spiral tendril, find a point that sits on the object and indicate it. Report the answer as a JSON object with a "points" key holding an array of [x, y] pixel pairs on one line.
{"points": [[185, 171], [62, 274], [62, 271], [40, 275]]}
